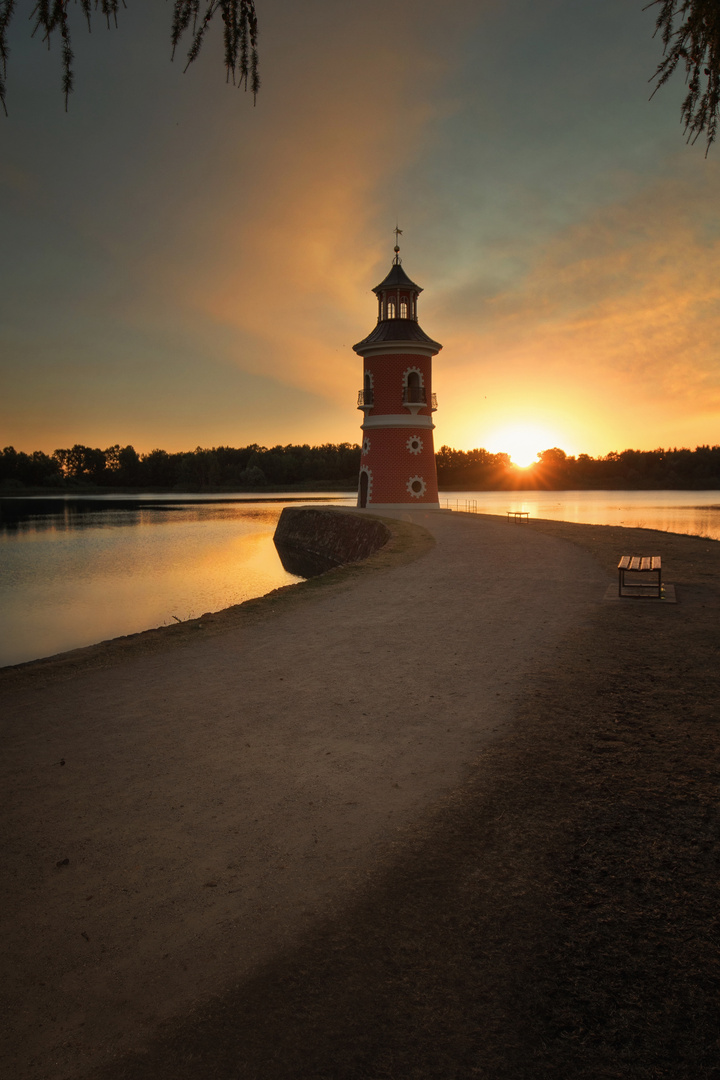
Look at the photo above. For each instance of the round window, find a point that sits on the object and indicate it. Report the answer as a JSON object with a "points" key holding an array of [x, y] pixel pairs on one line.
{"points": [[417, 486]]}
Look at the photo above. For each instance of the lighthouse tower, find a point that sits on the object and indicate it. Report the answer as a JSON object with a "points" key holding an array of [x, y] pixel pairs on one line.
{"points": [[397, 464]]}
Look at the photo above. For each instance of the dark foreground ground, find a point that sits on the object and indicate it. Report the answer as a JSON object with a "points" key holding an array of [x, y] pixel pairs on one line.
{"points": [[556, 917]]}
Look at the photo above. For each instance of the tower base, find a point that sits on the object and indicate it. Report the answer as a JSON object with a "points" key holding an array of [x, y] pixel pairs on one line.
{"points": [[379, 507]]}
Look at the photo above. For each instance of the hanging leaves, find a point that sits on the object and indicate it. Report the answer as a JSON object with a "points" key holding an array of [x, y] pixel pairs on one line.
{"points": [[691, 35], [239, 35], [6, 12], [190, 17]]}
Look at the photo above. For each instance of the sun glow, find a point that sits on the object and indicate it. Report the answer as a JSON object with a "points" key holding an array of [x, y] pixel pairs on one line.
{"points": [[523, 442]]}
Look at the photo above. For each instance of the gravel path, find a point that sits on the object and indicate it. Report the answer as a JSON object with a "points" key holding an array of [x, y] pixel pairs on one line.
{"points": [[331, 834]]}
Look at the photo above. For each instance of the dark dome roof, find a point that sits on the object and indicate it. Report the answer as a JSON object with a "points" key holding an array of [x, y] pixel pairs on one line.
{"points": [[397, 278], [396, 330]]}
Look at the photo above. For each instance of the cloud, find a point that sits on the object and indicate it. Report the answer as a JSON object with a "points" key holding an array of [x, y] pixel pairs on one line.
{"points": [[284, 251], [620, 311], [170, 241]]}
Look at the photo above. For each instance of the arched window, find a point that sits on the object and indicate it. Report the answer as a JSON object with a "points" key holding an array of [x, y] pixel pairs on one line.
{"points": [[368, 389], [391, 309], [404, 308], [414, 391]]}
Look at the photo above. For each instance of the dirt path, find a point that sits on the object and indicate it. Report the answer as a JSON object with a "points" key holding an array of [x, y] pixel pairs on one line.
{"points": [[433, 819]]}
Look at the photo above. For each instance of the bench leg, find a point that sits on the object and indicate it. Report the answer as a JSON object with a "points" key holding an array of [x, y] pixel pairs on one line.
{"points": [[657, 595]]}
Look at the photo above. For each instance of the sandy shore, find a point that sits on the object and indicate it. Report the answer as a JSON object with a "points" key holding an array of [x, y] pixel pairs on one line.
{"points": [[187, 811]]}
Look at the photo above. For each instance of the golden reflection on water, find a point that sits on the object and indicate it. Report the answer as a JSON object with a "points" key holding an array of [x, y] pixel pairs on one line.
{"points": [[695, 513], [66, 587]]}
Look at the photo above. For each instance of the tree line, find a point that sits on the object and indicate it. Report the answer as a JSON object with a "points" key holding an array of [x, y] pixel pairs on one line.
{"points": [[479, 470], [335, 467], [223, 467]]}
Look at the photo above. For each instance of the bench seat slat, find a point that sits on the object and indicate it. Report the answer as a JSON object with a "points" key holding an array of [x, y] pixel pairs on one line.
{"points": [[640, 563]]}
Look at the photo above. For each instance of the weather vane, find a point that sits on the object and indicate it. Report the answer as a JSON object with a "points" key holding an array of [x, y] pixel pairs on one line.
{"points": [[398, 234]]}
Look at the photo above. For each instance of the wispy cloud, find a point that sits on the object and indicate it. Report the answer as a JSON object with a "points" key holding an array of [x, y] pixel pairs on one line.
{"points": [[283, 271], [622, 308]]}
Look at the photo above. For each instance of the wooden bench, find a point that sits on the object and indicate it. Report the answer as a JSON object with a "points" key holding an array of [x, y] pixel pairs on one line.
{"points": [[518, 515], [640, 564]]}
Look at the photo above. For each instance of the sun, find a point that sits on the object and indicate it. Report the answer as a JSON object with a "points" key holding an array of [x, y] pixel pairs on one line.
{"points": [[523, 442]]}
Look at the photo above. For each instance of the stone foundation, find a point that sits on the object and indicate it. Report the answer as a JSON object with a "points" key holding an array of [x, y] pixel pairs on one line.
{"points": [[310, 540]]}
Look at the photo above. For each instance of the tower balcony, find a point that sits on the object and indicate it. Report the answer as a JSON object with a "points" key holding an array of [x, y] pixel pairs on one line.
{"points": [[415, 398]]}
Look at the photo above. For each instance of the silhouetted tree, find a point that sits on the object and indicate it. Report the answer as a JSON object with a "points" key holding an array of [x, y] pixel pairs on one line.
{"points": [[128, 466], [691, 35], [253, 477], [191, 17], [122, 465], [552, 458], [85, 463], [156, 469], [472, 470], [28, 470]]}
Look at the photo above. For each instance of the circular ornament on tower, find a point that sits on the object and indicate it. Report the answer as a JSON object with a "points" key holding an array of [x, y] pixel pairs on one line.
{"points": [[416, 487]]}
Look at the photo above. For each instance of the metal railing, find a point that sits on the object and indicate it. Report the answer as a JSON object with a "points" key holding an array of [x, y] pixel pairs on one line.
{"points": [[468, 506], [414, 395]]}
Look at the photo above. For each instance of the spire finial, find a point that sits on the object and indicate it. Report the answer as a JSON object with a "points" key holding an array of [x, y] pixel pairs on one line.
{"points": [[398, 234]]}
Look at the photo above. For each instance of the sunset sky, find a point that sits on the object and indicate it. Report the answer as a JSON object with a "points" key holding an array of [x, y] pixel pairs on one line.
{"points": [[181, 269]]}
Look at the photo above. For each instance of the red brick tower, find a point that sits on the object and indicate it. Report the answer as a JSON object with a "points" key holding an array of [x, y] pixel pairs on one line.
{"points": [[397, 465]]}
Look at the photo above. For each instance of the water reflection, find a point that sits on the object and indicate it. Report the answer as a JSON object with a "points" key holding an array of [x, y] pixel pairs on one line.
{"points": [[87, 573], [302, 563], [696, 513], [77, 571], [61, 515]]}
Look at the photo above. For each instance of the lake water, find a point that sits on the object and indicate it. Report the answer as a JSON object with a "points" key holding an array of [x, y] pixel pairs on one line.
{"points": [[74, 572], [694, 512]]}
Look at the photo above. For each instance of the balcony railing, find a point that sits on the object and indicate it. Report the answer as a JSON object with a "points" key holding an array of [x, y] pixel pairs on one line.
{"points": [[417, 395], [412, 395]]}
